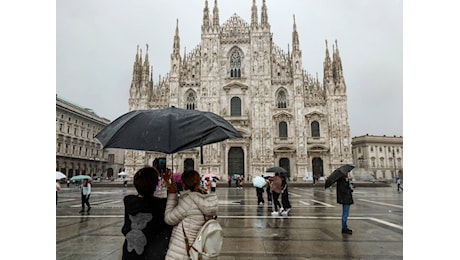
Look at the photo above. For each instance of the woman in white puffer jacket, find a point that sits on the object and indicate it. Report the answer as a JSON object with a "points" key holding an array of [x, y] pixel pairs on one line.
{"points": [[188, 211]]}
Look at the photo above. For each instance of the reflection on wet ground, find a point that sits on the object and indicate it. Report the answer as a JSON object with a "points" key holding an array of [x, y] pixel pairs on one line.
{"points": [[311, 231]]}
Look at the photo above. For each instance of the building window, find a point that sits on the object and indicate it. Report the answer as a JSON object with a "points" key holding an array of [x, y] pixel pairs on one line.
{"points": [[235, 106], [235, 65], [373, 161], [283, 131], [111, 158], [281, 99], [382, 162], [191, 101], [315, 129]]}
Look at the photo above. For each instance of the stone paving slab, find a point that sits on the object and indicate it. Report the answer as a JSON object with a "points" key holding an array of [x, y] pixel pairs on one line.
{"points": [[312, 231]]}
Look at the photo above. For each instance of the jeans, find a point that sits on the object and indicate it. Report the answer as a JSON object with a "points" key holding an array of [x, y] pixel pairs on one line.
{"points": [[345, 212], [275, 197], [84, 201]]}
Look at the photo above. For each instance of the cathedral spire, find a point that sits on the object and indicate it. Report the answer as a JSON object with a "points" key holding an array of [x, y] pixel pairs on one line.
{"points": [[176, 46], [254, 18], [264, 16], [205, 17], [136, 65], [337, 71], [327, 68], [337, 58], [146, 62], [215, 15], [295, 38]]}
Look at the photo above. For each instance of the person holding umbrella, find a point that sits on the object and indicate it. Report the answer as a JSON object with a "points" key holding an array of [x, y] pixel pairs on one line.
{"points": [[285, 196], [259, 183], [344, 192], [85, 193], [276, 191], [345, 197]]}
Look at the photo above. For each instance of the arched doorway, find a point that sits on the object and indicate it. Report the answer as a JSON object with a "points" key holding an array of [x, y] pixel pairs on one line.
{"points": [[284, 163], [109, 173], [236, 161], [189, 164], [317, 165]]}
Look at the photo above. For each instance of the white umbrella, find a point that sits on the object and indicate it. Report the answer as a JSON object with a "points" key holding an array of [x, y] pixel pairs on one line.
{"points": [[122, 174], [60, 175], [258, 182]]}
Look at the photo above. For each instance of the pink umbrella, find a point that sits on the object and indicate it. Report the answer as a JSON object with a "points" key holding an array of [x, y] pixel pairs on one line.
{"points": [[177, 177]]}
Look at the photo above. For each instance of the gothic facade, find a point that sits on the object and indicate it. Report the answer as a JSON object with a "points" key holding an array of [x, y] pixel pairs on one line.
{"points": [[287, 117]]}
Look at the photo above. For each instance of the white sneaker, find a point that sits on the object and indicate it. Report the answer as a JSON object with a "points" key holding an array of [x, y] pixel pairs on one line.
{"points": [[281, 210], [287, 211], [275, 213], [284, 213]]}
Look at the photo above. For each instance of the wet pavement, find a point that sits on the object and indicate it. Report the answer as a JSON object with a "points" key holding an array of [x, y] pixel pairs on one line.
{"points": [[311, 231]]}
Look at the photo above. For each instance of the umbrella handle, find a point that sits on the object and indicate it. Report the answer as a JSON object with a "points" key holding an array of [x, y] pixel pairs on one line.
{"points": [[201, 153]]}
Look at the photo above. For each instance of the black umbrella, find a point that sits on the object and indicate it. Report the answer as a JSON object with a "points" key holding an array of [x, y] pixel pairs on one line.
{"points": [[337, 174], [276, 169], [168, 130]]}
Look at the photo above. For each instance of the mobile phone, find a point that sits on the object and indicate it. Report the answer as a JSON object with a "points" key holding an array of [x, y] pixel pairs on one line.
{"points": [[162, 165]]}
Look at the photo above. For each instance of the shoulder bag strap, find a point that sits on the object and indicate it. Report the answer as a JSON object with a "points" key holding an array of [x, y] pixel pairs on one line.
{"points": [[187, 245]]}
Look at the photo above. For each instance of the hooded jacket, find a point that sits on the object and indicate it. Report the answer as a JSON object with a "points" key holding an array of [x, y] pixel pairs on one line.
{"points": [[189, 209], [344, 192]]}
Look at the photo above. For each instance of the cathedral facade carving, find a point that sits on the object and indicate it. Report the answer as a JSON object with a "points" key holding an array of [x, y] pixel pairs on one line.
{"points": [[287, 117]]}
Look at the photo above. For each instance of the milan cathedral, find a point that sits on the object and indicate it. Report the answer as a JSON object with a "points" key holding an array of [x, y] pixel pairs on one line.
{"points": [[287, 117]]}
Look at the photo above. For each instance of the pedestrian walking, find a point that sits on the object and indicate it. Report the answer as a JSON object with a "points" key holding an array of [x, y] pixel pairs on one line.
{"points": [[237, 182], [85, 193], [146, 233], [269, 192], [345, 197], [187, 213], [213, 185], [229, 179], [398, 181], [260, 198], [58, 188], [285, 196], [275, 182]]}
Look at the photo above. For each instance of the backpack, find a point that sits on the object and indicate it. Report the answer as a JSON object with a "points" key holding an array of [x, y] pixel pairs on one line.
{"points": [[208, 242]]}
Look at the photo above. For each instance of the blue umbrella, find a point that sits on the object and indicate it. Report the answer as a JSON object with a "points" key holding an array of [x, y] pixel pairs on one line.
{"points": [[80, 177], [258, 182]]}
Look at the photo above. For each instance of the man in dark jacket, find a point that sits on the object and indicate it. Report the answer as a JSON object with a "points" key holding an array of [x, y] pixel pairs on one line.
{"points": [[345, 197]]}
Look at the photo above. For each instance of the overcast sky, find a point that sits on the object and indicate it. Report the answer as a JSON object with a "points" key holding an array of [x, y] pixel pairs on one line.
{"points": [[96, 43]]}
